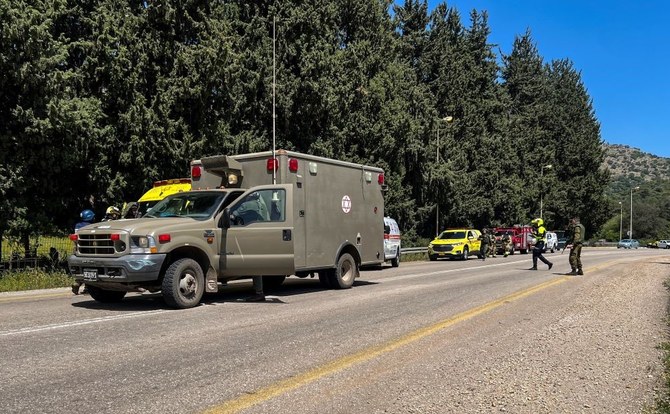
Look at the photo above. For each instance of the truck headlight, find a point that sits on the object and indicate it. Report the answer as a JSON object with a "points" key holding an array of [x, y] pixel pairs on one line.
{"points": [[143, 245]]}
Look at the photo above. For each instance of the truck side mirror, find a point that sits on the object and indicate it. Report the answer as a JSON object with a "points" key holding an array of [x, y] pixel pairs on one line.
{"points": [[225, 218]]}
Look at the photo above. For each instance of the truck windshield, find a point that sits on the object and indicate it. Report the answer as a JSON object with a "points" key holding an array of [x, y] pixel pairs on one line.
{"points": [[196, 205]]}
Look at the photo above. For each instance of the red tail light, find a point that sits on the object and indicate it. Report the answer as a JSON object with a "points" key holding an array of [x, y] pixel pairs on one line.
{"points": [[380, 179], [73, 237], [196, 171], [164, 238], [115, 237], [272, 164], [293, 165]]}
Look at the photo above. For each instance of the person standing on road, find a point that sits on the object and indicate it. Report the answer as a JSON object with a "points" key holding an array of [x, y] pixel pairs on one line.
{"points": [[539, 234], [492, 243], [574, 243], [507, 244], [484, 245], [259, 294]]}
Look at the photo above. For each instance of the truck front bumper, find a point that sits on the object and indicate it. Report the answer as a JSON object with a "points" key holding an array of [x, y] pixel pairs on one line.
{"points": [[125, 269]]}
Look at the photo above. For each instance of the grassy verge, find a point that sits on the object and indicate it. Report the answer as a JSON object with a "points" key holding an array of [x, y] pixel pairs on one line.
{"points": [[31, 279]]}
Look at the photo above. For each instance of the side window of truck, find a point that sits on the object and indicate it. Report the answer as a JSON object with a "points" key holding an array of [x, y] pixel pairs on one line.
{"points": [[254, 207]]}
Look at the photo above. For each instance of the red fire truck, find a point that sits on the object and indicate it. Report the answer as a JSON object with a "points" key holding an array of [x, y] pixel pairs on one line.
{"points": [[521, 241]]}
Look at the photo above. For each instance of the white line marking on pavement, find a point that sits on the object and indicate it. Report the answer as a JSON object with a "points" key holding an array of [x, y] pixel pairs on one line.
{"points": [[78, 323]]}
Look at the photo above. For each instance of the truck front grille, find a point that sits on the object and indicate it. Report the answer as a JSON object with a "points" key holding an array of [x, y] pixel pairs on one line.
{"points": [[100, 244]]}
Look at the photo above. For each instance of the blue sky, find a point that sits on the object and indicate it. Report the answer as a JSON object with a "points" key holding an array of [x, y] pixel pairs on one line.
{"points": [[621, 48]]}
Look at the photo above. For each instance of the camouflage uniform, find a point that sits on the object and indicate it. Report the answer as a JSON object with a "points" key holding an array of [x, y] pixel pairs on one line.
{"points": [[484, 246], [577, 233]]}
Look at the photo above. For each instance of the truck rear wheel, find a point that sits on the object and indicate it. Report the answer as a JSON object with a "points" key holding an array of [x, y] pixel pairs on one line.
{"points": [[183, 284], [343, 276], [105, 296]]}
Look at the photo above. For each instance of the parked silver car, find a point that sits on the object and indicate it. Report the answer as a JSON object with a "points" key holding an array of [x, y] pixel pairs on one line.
{"points": [[628, 244]]}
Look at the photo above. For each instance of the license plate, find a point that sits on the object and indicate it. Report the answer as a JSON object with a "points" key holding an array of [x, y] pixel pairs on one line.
{"points": [[90, 274]]}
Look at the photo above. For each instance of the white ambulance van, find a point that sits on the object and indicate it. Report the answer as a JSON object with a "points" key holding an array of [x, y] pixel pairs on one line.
{"points": [[392, 243]]}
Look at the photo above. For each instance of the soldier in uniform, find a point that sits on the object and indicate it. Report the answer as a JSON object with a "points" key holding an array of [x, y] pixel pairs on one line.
{"points": [[574, 243], [484, 247]]}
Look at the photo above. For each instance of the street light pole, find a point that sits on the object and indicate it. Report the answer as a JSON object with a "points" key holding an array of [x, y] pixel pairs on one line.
{"points": [[446, 119], [620, 220], [630, 228], [542, 184]]}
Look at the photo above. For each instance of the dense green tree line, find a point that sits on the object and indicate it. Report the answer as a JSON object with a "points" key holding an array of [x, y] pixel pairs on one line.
{"points": [[100, 98]]}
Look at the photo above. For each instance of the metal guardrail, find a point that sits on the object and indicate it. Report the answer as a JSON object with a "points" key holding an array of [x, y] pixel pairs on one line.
{"points": [[415, 250]]}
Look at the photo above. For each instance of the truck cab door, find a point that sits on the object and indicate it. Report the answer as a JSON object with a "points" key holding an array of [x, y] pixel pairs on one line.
{"points": [[260, 239]]}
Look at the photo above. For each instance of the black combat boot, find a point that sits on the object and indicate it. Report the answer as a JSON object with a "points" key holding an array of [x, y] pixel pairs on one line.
{"points": [[573, 272], [258, 297], [550, 265], [580, 272]]}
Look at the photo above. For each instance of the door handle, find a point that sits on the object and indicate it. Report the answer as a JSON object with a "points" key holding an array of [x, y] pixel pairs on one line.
{"points": [[286, 235]]}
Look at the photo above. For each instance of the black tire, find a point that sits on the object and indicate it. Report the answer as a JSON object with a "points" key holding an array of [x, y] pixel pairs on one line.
{"points": [[432, 257], [343, 276], [272, 282], [183, 284], [105, 296], [466, 253], [395, 262]]}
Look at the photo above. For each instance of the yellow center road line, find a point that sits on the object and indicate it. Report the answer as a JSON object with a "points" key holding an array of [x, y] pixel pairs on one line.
{"points": [[281, 387]]}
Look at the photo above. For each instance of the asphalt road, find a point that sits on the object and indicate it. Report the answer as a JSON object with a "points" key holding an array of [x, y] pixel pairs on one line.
{"points": [[445, 336]]}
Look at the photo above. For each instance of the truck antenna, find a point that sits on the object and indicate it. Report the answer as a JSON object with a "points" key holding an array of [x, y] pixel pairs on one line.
{"points": [[274, 81]]}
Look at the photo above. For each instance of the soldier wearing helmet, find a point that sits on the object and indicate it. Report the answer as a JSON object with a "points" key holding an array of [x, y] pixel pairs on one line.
{"points": [[112, 213], [86, 217], [539, 234]]}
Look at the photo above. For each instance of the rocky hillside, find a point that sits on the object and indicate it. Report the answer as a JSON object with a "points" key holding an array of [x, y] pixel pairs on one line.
{"points": [[632, 165]]}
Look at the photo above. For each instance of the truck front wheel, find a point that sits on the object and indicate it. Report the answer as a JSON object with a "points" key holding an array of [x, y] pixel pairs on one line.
{"points": [[105, 296], [395, 262], [343, 276], [183, 284]]}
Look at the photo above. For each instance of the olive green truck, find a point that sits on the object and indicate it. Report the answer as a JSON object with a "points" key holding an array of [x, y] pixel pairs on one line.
{"points": [[271, 214]]}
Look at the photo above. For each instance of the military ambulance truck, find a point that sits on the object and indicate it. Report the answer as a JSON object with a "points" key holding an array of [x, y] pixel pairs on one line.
{"points": [[246, 215]]}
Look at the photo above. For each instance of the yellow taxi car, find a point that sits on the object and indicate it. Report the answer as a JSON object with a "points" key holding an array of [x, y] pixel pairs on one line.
{"points": [[460, 243]]}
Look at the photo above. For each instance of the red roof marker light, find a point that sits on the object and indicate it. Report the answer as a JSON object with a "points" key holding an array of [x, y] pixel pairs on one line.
{"points": [[272, 164], [293, 165]]}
